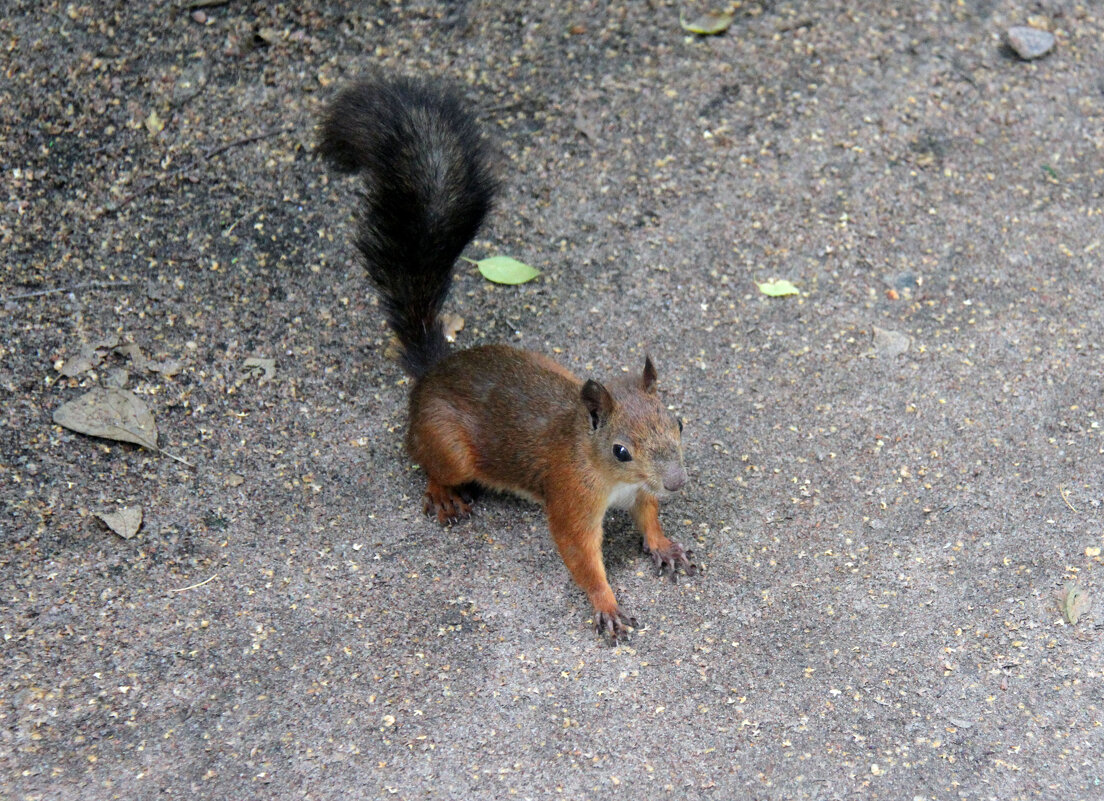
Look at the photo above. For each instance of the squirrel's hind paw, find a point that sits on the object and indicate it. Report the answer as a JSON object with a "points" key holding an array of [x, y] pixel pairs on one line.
{"points": [[448, 504]]}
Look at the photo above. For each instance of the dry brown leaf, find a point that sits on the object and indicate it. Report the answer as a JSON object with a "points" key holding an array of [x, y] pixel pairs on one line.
{"points": [[125, 522], [256, 366], [117, 377], [111, 413], [888, 344], [268, 36], [167, 367], [133, 352], [89, 357]]}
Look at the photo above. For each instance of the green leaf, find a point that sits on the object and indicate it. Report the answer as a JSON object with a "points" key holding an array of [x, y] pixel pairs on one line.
{"points": [[504, 270], [777, 288], [709, 23]]}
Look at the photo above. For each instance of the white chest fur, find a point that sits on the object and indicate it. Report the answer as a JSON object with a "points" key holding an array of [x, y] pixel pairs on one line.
{"points": [[623, 495]]}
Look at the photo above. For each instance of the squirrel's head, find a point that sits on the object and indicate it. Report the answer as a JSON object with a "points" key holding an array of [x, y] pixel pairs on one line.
{"points": [[634, 439]]}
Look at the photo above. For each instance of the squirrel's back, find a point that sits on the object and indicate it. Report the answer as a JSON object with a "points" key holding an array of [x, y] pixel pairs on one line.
{"points": [[428, 187]]}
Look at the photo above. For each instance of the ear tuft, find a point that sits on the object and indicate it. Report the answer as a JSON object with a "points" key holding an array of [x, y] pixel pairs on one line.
{"points": [[648, 379], [598, 402]]}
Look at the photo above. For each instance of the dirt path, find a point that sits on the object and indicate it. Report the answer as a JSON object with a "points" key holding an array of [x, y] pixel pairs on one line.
{"points": [[892, 473]]}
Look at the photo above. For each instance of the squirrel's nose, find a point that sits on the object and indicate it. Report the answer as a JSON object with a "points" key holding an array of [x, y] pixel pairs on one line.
{"points": [[674, 477]]}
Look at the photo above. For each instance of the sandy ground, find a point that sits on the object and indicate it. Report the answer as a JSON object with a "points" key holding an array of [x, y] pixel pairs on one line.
{"points": [[893, 473]]}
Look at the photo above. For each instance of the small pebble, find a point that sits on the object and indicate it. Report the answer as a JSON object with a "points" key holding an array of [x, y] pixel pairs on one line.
{"points": [[1030, 43]]}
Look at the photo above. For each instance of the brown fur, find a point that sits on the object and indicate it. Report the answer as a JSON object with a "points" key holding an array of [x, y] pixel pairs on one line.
{"points": [[516, 421], [497, 416]]}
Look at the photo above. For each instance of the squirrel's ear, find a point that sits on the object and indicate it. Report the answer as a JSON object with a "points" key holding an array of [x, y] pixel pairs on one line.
{"points": [[598, 402], [648, 380]]}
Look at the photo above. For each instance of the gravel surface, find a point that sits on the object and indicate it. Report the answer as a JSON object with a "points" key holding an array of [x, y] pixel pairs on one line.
{"points": [[896, 474]]}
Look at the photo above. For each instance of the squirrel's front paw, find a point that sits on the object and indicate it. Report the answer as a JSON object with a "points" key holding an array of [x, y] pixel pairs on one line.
{"points": [[612, 624], [447, 504], [672, 557]]}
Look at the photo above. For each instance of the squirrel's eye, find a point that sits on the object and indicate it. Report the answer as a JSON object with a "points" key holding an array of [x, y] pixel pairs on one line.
{"points": [[622, 453], [680, 425]]}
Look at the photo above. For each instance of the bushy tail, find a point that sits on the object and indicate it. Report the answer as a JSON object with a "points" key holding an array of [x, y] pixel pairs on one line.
{"points": [[428, 187]]}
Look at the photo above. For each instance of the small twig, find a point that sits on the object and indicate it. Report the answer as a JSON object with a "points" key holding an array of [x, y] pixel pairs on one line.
{"points": [[194, 586], [143, 189], [501, 107], [175, 458], [152, 447], [59, 290], [790, 27], [245, 140], [194, 4], [241, 219], [98, 150], [1065, 497], [210, 154]]}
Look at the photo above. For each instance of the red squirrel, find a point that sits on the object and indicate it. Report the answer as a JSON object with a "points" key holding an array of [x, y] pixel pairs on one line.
{"points": [[493, 416]]}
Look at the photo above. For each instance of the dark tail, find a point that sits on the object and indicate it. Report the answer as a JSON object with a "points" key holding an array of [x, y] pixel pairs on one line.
{"points": [[428, 186]]}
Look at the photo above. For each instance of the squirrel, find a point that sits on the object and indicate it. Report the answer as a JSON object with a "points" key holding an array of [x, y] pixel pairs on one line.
{"points": [[493, 416]]}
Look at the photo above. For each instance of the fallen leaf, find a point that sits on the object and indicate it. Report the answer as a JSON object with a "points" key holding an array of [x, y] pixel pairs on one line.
{"points": [[777, 289], [83, 361], [266, 36], [167, 367], [1074, 602], [890, 343], [709, 23], [266, 368], [117, 377], [133, 352], [452, 324], [89, 357], [505, 270], [125, 522], [588, 124], [111, 413], [154, 123]]}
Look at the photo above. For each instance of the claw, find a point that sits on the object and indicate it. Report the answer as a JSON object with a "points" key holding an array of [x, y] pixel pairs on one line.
{"points": [[672, 557], [612, 624], [446, 504]]}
